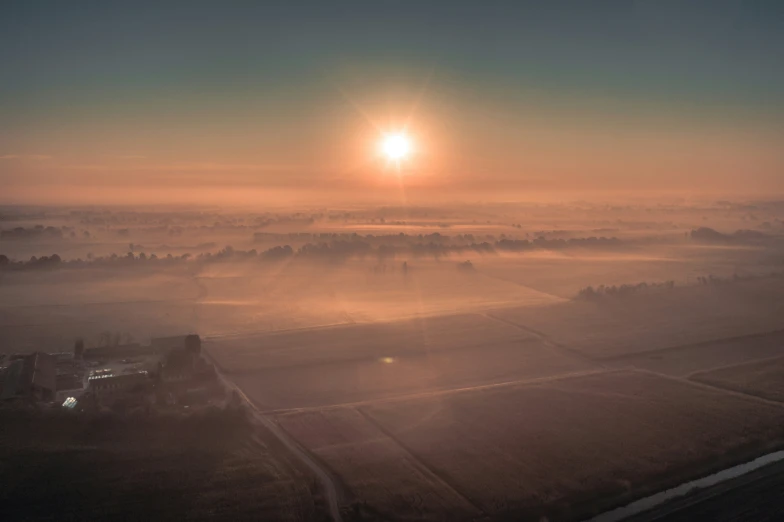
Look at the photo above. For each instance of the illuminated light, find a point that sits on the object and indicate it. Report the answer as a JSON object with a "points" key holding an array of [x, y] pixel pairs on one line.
{"points": [[396, 146], [387, 360]]}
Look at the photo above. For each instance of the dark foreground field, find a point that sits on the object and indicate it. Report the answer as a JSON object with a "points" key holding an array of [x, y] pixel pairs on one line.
{"points": [[207, 467], [563, 449]]}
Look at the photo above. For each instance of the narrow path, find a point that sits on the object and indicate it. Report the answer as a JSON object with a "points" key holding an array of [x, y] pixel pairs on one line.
{"points": [[697, 373], [711, 387], [448, 391], [522, 285], [570, 352], [333, 492], [681, 347], [420, 463]]}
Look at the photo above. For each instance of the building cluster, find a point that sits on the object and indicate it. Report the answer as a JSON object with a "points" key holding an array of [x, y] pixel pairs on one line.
{"points": [[28, 376], [169, 371]]}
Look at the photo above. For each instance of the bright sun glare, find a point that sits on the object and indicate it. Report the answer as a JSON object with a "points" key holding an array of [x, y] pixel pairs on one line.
{"points": [[396, 146]]}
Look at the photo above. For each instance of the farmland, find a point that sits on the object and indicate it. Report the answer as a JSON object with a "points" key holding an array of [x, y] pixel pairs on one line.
{"points": [[561, 274], [763, 378], [375, 468], [433, 364], [405, 374], [682, 361], [643, 323], [200, 468], [550, 448], [366, 362], [50, 309], [362, 342]]}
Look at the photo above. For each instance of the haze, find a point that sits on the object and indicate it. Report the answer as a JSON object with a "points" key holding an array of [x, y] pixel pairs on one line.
{"points": [[392, 261]]}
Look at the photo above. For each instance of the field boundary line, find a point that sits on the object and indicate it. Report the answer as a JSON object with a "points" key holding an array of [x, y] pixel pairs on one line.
{"points": [[418, 460], [708, 386], [720, 340], [696, 373], [523, 285], [451, 391], [571, 352]]}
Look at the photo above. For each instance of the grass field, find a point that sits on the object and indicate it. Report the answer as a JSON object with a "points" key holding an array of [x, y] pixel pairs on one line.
{"points": [[683, 361], [202, 468], [763, 378], [549, 449], [616, 326]]}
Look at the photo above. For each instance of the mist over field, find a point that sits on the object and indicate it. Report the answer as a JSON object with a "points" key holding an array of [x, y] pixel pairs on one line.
{"points": [[70, 273], [392, 261]]}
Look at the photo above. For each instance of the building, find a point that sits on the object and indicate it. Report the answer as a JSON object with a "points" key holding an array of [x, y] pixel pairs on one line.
{"points": [[69, 385], [107, 387], [30, 376], [190, 343], [183, 375], [79, 349]]}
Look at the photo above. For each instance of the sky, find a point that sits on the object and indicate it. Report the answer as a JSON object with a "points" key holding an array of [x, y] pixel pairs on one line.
{"points": [[270, 101]]}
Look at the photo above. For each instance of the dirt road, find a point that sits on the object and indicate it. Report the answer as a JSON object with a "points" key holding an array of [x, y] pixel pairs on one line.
{"points": [[332, 490]]}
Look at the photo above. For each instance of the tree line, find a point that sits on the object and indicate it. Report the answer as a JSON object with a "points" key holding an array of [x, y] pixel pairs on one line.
{"points": [[590, 293], [335, 251], [593, 293]]}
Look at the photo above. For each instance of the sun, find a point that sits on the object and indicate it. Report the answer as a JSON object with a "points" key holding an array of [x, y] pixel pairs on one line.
{"points": [[396, 147]]}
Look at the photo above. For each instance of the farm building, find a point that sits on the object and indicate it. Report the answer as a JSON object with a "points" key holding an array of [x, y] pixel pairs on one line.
{"points": [[31, 376], [69, 385], [190, 343], [108, 387]]}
